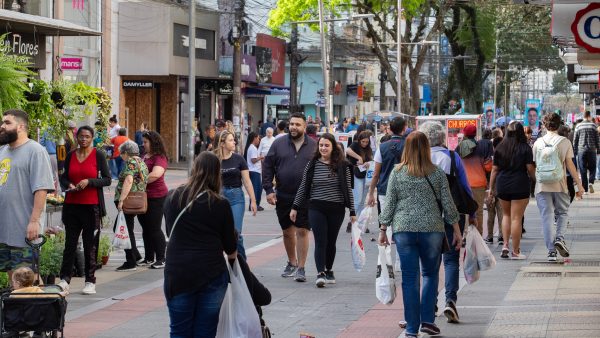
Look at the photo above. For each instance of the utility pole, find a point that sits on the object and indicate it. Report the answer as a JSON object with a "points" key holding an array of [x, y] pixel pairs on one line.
{"points": [[238, 38], [294, 69], [399, 55], [324, 61], [383, 73], [330, 71], [191, 84], [439, 71], [495, 80]]}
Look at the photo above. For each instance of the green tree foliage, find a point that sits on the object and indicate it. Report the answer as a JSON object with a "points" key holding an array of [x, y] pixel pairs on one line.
{"points": [[13, 75]]}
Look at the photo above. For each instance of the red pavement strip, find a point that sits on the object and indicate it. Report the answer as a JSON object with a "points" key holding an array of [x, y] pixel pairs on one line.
{"points": [[131, 308], [381, 321]]}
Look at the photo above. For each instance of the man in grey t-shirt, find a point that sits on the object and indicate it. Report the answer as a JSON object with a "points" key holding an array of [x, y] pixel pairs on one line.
{"points": [[25, 179]]}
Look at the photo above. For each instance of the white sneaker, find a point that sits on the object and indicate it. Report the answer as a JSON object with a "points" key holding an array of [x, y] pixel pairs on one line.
{"points": [[89, 289], [64, 285]]}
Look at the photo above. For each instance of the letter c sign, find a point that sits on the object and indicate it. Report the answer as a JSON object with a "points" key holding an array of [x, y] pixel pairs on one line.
{"points": [[586, 28]]}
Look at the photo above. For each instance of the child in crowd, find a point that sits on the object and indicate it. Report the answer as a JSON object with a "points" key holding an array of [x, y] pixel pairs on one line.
{"points": [[22, 281]]}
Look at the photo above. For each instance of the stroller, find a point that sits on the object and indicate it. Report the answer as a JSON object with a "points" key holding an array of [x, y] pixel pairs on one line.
{"points": [[40, 313]]}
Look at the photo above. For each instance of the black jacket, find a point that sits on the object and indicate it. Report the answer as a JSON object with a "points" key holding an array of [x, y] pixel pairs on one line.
{"points": [[103, 181], [286, 165]]}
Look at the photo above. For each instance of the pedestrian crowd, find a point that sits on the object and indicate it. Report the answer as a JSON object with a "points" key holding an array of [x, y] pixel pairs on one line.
{"points": [[424, 194]]}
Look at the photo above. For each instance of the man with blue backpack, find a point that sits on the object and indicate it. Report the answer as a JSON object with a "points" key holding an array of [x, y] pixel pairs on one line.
{"points": [[552, 154]]}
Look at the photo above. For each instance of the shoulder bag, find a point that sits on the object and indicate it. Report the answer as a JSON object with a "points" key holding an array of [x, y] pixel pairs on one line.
{"points": [[136, 203], [445, 243]]}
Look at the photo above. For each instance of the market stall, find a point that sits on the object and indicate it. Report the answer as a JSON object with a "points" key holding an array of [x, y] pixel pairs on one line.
{"points": [[454, 125]]}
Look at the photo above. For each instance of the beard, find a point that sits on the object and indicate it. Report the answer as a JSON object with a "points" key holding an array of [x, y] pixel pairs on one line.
{"points": [[7, 137], [298, 136]]}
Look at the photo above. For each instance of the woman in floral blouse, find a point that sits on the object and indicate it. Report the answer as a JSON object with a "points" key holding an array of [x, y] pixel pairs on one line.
{"points": [[417, 191], [133, 178]]}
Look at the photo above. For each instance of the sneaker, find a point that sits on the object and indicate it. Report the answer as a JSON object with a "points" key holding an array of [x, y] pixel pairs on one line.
{"points": [[64, 285], [321, 280], [451, 313], [349, 227], [560, 246], [504, 253], [289, 271], [126, 267], [430, 329], [367, 231], [517, 256], [500, 240], [489, 240], [591, 188], [329, 277], [300, 275], [144, 262], [89, 288], [551, 256], [259, 208], [158, 265]]}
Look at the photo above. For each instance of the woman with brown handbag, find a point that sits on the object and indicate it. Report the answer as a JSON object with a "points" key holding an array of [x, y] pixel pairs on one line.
{"points": [[130, 196]]}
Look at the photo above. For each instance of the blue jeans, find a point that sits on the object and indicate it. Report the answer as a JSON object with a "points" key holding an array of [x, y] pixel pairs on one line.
{"points": [[196, 314], [236, 199], [553, 206], [451, 263], [255, 178], [426, 248], [598, 168], [586, 159], [114, 172], [360, 193]]}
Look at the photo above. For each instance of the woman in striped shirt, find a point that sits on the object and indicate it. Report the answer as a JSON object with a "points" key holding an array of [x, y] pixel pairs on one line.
{"points": [[326, 187]]}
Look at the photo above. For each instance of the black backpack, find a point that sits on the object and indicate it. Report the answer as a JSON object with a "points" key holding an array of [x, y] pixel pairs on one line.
{"points": [[465, 204]]}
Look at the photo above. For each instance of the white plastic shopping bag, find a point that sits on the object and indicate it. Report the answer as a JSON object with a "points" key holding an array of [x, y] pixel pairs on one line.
{"points": [[385, 286], [121, 239], [485, 257], [368, 219], [470, 264], [357, 248], [238, 317]]}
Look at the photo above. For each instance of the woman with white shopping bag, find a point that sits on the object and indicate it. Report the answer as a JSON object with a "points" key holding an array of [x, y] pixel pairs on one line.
{"points": [[416, 191], [200, 226], [360, 155], [326, 188]]}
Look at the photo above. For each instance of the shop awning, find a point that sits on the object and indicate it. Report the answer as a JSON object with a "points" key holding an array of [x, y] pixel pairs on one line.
{"points": [[266, 90], [27, 23]]}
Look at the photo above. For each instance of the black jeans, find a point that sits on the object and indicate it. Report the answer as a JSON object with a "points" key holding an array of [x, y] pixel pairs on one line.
{"points": [[325, 228], [154, 238], [586, 159], [131, 255], [84, 220]]}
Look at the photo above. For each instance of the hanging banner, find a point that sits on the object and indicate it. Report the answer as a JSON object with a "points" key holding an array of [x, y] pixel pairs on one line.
{"points": [[488, 114], [531, 115]]}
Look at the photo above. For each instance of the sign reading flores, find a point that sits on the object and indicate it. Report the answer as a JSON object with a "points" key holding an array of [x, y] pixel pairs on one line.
{"points": [[586, 28], [29, 46]]}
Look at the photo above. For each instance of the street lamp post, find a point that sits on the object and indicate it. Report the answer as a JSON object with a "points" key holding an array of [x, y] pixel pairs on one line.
{"points": [[191, 84], [399, 55]]}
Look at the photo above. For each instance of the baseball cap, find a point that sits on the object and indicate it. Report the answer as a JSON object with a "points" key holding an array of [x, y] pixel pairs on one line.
{"points": [[470, 131]]}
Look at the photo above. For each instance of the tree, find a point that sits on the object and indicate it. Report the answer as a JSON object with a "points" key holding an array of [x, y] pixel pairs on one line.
{"points": [[416, 13]]}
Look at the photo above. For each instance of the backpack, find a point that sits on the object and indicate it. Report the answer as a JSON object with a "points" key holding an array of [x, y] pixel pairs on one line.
{"points": [[465, 204], [549, 167]]}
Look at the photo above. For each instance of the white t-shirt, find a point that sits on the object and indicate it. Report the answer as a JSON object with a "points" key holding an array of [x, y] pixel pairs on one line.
{"points": [[114, 131], [378, 158], [253, 153], [265, 145]]}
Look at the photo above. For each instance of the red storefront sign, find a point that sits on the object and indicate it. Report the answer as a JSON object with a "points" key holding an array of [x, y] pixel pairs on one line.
{"points": [[277, 47]]}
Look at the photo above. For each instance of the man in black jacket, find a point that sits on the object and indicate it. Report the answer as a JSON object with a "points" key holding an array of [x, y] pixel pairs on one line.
{"points": [[285, 162]]}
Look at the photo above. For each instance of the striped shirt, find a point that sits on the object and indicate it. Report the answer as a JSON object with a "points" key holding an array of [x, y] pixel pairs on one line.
{"points": [[325, 186], [586, 137]]}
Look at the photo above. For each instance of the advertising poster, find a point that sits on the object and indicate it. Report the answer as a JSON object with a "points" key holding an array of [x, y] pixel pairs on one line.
{"points": [[455, 131], [488, 114], [531, 115]]}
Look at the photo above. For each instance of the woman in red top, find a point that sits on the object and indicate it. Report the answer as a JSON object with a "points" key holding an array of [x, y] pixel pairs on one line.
{"points": [[86, 172], [156, 190]]}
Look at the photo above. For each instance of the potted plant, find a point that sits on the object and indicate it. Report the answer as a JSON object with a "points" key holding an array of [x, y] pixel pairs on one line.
{"points": [[51, 255], [4, 283], [62, 94], [104, 249], [13, 76]]}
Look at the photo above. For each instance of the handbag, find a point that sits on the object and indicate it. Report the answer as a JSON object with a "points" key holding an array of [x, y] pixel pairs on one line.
{"points": [[135, 203], [445, 243]]}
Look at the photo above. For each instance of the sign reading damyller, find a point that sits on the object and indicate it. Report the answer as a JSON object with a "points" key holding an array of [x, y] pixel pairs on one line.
{"points": [[138, 84]]}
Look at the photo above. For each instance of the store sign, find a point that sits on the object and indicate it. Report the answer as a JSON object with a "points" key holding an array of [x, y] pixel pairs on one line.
{"points": [[135, 84], [461, 124], [586, 28], [270, 59], [33, 47], [71, 63], [204, 43], [225, 88]]}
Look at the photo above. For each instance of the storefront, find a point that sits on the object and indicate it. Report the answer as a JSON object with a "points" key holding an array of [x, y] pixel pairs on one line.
{"points": [[153, 65]]}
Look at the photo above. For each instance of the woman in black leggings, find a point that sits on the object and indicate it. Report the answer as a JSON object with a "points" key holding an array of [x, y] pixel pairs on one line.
{"points": [[326, 187]]}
